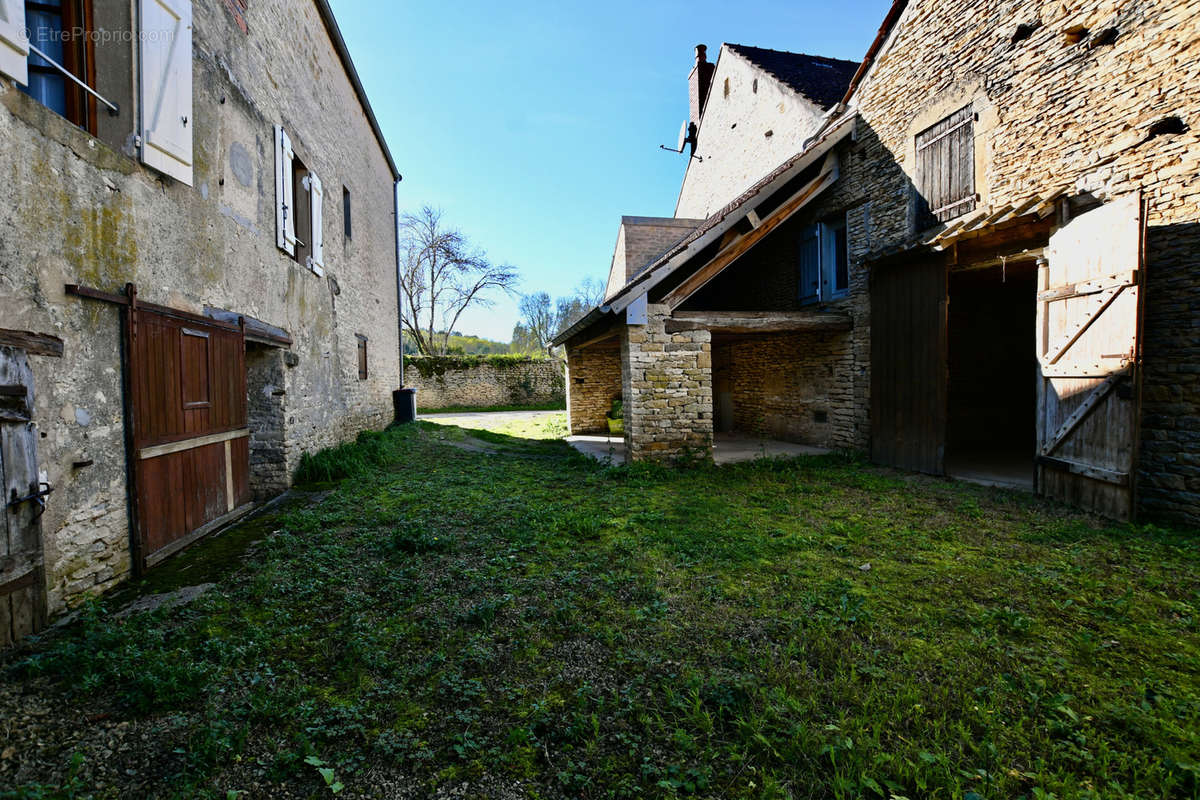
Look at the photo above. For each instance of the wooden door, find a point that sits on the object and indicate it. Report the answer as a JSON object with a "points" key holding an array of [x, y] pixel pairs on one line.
{"points": [[908, 364], [22, 579], [1088, 321], [190, 442]]}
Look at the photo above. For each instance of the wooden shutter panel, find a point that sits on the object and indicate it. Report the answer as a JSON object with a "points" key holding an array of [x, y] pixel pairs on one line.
{"points": [[810, 264], [316, 195], [285, 226], [14, 46], [166, 97]]}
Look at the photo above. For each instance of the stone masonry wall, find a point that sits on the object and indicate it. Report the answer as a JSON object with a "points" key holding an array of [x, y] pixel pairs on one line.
{"points": [[667, 385], [82, 210], [794, 387], [450, 382], [1091, 115], [593, 382]]}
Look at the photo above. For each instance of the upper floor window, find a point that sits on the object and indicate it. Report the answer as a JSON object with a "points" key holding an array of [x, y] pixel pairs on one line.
{"points": [[50, 49], [60, 30], [824, 261], [299, 199], [946, 168]]}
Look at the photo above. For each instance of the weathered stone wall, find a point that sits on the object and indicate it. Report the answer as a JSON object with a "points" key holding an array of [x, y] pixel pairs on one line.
{"points": [[641, 240], [593, 382], [449, 381], [835, 374], [76, 209], [666, 383], [752, 124], [794, 387], [1059, 112]]}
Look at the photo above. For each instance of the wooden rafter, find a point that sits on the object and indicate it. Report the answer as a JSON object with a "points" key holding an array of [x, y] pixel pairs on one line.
{"points": [[35, 344], [736, 249]]}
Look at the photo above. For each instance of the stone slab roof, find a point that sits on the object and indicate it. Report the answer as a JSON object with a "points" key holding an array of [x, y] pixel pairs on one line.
{"points": [[822, 80]]}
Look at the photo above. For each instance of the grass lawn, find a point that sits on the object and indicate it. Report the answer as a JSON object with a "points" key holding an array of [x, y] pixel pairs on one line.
{"points": [[517, 621]]}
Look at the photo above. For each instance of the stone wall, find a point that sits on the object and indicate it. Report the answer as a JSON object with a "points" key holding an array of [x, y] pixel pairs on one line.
{"points": [[793, 386], [1090, 114], [593, 382], [451, 381], [751, 124], [666, 382], [641, 240], [81, 210]]}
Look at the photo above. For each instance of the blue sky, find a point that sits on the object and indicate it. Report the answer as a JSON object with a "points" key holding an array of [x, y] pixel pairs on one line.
{"points": [[536, 125]]}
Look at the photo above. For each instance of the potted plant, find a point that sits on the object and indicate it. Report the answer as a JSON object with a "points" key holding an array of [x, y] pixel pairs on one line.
{"points": [[616, 418]]}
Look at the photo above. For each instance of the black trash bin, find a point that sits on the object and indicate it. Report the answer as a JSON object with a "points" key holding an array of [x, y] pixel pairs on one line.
{"points": [[404, 401]]}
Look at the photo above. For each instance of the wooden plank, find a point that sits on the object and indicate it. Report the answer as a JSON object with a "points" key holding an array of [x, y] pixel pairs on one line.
{"points": [[34, 344], [1091, 369], [1078, 415], [190, 444], [1121, 279], [1059, 349], [757, 322], [714, 267], [1095, 473]]}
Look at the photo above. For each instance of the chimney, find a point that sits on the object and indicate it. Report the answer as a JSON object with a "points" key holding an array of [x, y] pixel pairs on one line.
{"points": [[698, 83]]}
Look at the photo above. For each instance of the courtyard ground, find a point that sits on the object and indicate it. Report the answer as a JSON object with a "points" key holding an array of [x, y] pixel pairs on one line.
{"points": [[459, 613]]}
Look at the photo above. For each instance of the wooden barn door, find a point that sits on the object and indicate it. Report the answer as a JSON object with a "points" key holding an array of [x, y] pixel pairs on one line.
{"points": [[908, 365], [22, 581], [190, 442], [1089, 314]]}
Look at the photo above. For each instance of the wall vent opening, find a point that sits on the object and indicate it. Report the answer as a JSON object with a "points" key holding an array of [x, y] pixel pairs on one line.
{"points": [[820, 417], [1104, 37], [1075, 34], [1167, 126], [1025, 30]]}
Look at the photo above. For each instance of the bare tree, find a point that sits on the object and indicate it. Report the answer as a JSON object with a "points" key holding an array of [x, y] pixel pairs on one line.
{"points": [[441, 275], [542, 319]]}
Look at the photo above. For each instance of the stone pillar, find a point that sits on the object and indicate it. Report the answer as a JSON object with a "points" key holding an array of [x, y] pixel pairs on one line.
{"points": [[667, 387]]}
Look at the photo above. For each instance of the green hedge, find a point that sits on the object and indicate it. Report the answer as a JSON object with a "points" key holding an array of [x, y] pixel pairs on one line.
{"points": [[429, 366]]}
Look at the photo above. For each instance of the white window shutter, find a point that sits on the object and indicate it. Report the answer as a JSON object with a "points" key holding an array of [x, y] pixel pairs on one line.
{"points": [[316, 195], [285, 224], [166, 96], [14, 46]]}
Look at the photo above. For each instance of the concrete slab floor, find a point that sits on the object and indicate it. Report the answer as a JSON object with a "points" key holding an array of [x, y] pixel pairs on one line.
{"points": [[728, 448]]}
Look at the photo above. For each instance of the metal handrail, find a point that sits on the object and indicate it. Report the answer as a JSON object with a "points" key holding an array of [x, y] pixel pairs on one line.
{"points": [[113, 109]]}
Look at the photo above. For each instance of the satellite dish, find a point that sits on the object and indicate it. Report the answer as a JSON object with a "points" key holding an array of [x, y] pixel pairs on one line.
{"points": [[683, 136]]}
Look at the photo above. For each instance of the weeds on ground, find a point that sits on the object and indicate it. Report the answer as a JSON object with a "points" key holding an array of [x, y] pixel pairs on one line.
{"points": [[804, 628]]}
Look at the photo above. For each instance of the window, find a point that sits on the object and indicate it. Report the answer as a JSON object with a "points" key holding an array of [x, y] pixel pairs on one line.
{"points": [[60, 29], [824, 261], [346, 212], [299, 199], [946, 168], [362, 357]]}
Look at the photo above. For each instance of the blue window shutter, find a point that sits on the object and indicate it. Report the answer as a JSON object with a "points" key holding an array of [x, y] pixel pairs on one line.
{"points": [[810, 265]]}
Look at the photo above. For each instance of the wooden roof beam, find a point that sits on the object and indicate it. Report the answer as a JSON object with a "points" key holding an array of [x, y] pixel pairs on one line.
{"points": [[757, 321]]}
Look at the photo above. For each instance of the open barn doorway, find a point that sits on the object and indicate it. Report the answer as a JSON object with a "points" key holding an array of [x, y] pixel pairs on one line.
{"points": [[992, 374]]}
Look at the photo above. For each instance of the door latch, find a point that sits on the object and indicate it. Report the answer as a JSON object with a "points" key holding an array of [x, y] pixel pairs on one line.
{"points": [[38, 497]]}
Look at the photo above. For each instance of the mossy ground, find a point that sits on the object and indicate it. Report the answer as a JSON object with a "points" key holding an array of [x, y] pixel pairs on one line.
{"points": [[528, 623]]}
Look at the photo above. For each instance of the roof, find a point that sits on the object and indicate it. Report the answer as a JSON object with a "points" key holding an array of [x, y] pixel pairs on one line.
{"points": [[714, 225], [822, 80], [339, 44]]}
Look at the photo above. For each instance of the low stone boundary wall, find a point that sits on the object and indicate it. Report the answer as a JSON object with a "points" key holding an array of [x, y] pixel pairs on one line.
{"points": [[455, 381]]}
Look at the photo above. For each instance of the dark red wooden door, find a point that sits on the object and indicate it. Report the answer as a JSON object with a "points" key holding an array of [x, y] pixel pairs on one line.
{"points": [[190, 438]]}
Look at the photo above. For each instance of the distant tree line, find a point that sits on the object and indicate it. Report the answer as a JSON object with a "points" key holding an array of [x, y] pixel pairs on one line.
{"points": [[543, 318]]}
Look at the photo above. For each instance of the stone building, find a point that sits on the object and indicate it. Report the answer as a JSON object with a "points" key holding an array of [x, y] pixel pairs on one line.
{"points": [[982, 262], [197, 275]]}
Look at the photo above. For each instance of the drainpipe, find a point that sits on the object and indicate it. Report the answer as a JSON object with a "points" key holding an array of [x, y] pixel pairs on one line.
{"points": [[399, 293]]}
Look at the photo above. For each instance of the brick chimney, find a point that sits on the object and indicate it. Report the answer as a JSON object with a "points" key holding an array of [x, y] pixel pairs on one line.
{"points": [[698, 82]]}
